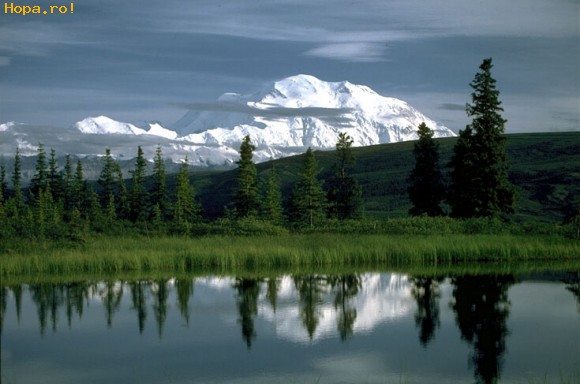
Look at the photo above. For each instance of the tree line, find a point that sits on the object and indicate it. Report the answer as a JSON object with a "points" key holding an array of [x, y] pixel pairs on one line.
{"points": [[61, 203]]}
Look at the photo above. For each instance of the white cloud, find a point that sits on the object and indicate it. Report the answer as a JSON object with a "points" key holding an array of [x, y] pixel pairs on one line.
{"points": [[357, 52]]}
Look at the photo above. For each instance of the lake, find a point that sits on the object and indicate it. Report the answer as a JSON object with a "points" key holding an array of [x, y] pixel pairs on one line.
{"points": [[314, 328]]}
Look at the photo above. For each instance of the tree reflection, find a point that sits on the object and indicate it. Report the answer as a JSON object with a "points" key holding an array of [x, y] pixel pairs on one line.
{"points": [[160, 293], [310, 289], [481, 310], [76, 294], [573, 285], [139, 301], [247, 293], [47, 297], [184, 289], [273, 286], [111, 296], [346, 287], [426, 293]]}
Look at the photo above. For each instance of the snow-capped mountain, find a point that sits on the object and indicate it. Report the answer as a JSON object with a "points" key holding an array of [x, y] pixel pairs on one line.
{"points": [[302, 111], [105, 125], [282, 119]]}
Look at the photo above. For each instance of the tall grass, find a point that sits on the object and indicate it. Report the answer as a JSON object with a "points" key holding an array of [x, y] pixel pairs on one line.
{"points": [[232, 254]]}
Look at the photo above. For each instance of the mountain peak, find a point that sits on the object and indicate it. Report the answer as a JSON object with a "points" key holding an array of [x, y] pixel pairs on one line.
{"points": [[282, 119], [302, 111]]}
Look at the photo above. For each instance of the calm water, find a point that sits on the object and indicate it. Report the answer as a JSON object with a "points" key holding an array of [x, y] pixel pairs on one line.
{"points": [[357, 328]]}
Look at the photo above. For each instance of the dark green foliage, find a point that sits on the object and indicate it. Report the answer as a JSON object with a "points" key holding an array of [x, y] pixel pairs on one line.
{"points": [[55, 178], [68, 188], [107, 179], [3, 185], [123, 198], [480, 185], [40, 178], [246, 199], [138, 196], [16, 178], [185, 210], [272, 207], [344, 192], [307, 201], [426, 190], [158, 195], [80, 189]]}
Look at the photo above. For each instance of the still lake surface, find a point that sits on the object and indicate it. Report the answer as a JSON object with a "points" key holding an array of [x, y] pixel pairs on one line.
{"points": [[353, 328]]}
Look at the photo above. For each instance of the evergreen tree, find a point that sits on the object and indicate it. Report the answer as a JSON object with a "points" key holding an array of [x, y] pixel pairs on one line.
{"points": [[16, 177], [106, 179], [67, 187], [344, 191], [307, 199], [159, 196], [40, 178], [426, 190], [55, 179], [138, 197], [80, 190], [246, 198], [273, 200], [464, 168], [480, 162], [123, 200], [3, 186], [185, 211]]}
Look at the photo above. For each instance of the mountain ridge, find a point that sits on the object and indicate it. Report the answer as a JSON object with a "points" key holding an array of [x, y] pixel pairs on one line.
{"points": [[282, 119]]}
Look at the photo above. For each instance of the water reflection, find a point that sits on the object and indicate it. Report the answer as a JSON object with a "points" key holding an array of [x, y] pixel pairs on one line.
{"points": [[481, 311], [426, 293], [305, 308], [248, 291]]}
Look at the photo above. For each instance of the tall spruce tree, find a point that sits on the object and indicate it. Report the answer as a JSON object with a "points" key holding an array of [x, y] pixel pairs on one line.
{"points": [[479, 180], [185, 212], [123, 199], [344, 191], [40, 179], [3, 185], [80, 189], [55, 178], [16, 179], [158, 193], [138, 196], [426, 190], [307, 201], [106, 179], [272, 208], [67, 187], [246, 198]]}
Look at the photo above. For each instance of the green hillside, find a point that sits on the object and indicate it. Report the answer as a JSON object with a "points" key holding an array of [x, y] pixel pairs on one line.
{"points": [[545, 167]]}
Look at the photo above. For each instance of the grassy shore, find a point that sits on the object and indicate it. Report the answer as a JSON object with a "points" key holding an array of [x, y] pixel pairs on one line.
{"points": [[239, 254]]}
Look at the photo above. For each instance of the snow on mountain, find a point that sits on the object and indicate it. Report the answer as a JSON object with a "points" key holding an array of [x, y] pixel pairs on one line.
{"points": [[282, 119], [156, 129], [105, 125], [302, 111]]}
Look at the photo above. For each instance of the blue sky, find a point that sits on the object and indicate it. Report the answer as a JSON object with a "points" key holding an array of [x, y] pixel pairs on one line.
{"points": [[142, 60]]}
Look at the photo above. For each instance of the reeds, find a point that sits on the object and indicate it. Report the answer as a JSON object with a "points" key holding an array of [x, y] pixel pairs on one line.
{"points": [[232, 254]]}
